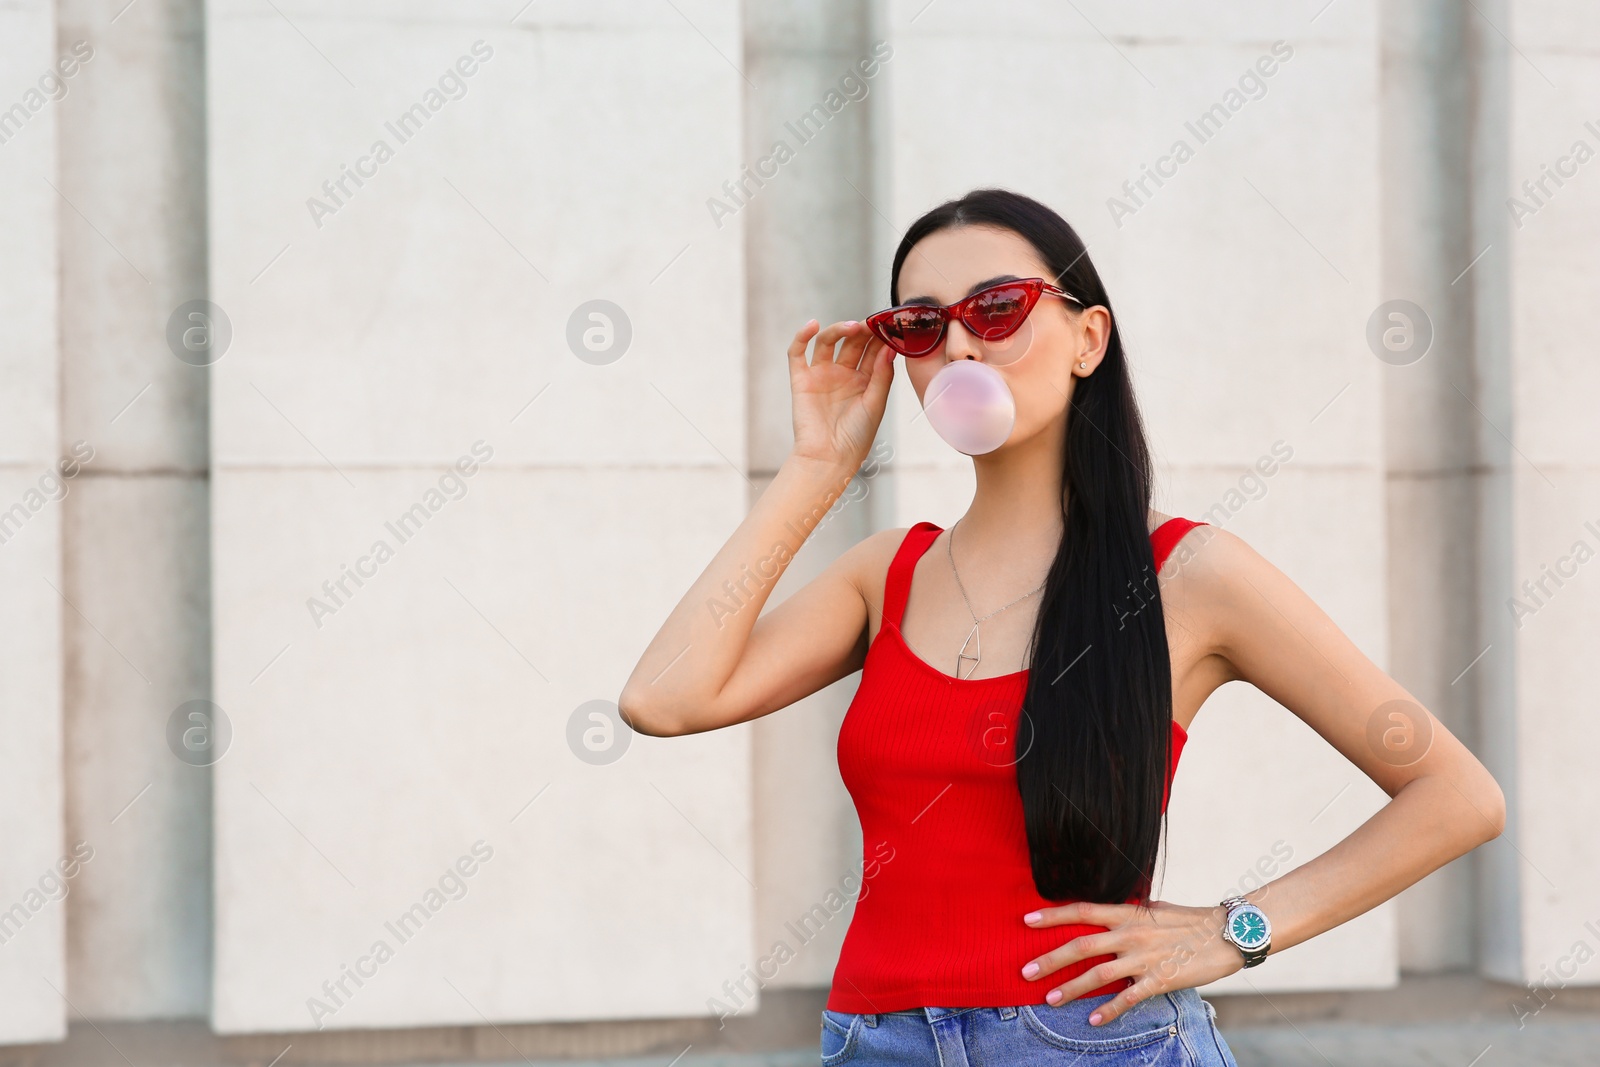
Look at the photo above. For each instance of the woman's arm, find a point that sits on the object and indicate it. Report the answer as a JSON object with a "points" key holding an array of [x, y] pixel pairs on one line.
{"points": [[712, 663], [1445, 803]]}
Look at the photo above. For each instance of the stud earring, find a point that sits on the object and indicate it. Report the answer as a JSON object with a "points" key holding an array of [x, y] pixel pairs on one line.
{"points": [[1082, 364]]}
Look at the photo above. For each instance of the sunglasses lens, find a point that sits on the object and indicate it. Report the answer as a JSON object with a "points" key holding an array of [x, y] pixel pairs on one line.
{"points": [[996, 313], [912, 331]]}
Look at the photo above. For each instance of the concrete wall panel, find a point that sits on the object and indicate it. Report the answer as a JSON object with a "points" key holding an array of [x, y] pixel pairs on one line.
{"points": [[1551, 610], [431, 706], [33, 981]]}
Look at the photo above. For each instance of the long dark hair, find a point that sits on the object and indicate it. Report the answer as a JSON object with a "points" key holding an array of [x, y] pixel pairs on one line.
{"points": [[1094, 734]]}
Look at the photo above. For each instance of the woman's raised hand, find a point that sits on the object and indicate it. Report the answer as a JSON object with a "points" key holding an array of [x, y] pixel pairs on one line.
{"points": [[841, 394]]}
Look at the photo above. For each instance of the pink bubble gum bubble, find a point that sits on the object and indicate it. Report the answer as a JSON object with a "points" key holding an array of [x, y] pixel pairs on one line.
{"points": [[969, 405]]}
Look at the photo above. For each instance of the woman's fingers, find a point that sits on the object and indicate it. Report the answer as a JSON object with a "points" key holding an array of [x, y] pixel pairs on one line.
{"points": [[856, 337], [1081, 911], [878, 362], [1079, 948], [1169, 947], [828, 338], [1120, 1003], [1092, 979], [797, 347]]}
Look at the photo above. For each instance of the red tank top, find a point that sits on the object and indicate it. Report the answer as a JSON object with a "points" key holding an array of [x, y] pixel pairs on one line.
{"points": [[946, 879]]}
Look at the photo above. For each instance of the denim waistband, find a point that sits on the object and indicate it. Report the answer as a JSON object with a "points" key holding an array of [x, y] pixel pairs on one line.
{"points": [[932, 1013], [1181, 997]]}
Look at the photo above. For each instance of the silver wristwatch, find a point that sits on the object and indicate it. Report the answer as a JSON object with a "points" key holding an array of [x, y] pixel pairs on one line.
{"points": [[1248, 929]]}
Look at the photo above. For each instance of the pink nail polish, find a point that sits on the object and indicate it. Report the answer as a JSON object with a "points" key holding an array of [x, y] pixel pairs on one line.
{"points": [[1033, 917], [1094, 1020], [1030, 970]]}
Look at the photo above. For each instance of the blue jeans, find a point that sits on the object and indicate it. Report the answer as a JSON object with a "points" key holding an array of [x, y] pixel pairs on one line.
{"points": [[1174, 1029]]}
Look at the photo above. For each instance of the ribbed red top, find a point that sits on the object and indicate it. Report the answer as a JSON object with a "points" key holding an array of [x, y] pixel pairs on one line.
{"points": [[928, 759]]}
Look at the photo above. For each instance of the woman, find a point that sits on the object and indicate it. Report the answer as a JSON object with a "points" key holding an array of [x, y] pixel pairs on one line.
{"points": [[1030, 676]]}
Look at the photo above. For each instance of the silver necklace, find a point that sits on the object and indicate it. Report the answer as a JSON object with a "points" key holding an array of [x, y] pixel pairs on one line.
{"points": [[974, 640]]}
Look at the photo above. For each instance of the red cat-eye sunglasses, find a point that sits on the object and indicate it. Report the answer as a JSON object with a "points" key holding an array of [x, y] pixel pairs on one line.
{"points": [[993, 314]]}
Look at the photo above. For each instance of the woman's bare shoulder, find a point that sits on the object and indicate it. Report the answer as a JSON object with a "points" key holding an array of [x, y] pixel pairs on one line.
{"points": [[867, 561], [1209, 575], [866, 565]]}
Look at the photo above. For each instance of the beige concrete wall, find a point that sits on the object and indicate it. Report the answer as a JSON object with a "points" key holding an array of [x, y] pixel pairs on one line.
{"points": [[33, 979], [421, 322], [377, 338], [1543, 613]]}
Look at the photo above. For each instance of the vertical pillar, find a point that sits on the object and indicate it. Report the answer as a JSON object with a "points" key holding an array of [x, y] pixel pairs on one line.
{"points": [[136, 542], [1429, 423], [1537, 205], [813, 82]]}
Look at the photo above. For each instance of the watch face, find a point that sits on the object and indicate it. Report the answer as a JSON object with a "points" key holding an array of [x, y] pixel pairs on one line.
{"points": [[1249, 928]]}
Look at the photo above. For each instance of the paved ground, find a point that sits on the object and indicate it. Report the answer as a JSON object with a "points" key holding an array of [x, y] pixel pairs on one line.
{"points": [[1448, 1020], [1539, 1044]]}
